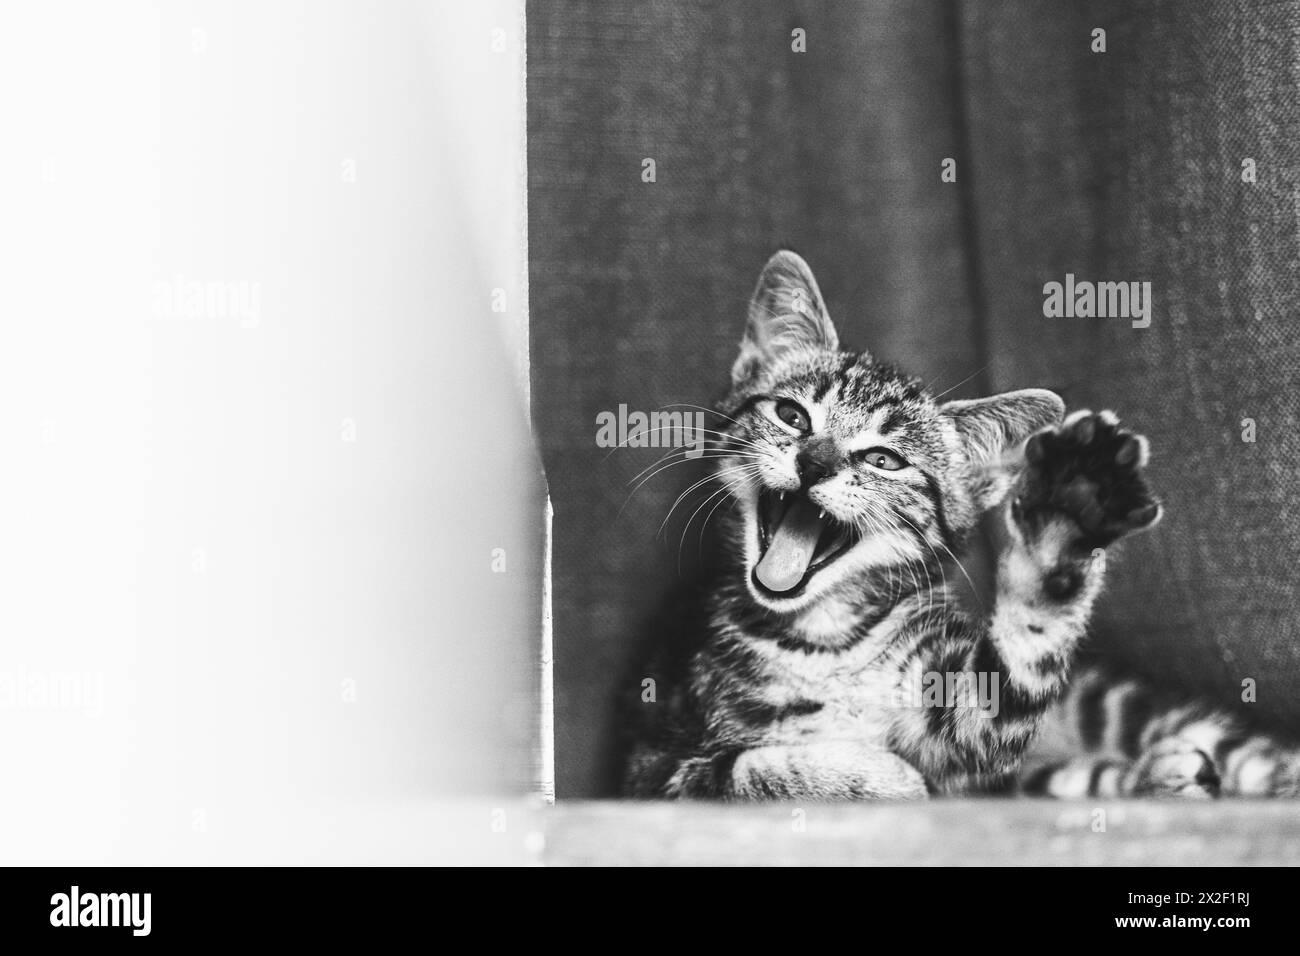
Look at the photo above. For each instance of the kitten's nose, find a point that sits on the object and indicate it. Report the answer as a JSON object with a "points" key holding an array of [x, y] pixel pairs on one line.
{"points": [[815, 462]]}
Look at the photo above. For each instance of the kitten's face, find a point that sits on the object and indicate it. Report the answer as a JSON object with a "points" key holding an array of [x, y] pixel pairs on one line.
{"points": [[839, 465]]}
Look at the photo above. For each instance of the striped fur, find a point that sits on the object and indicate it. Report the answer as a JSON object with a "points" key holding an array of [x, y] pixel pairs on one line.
{"points": [[1112, 737], [872, 677]]}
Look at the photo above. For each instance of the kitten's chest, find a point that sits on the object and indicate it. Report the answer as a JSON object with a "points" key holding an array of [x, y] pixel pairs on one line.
{"points": [[847, 695]]}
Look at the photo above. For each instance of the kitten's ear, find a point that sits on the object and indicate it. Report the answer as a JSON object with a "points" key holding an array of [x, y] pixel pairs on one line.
{"points": [[786, 313], [989, 427]]}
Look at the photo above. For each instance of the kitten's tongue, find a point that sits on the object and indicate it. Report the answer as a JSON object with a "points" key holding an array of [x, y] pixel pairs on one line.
{"points": [[792, 547]]}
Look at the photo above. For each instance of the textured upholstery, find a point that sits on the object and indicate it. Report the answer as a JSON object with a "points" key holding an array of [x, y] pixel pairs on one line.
{"points": [[1117, 166]]}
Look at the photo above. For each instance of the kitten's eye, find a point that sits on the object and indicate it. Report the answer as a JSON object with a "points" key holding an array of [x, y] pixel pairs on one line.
{"points": [[792, 415], [883, 459]]}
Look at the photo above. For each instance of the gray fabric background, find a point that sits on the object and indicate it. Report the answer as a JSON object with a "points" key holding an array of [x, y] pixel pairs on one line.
{"points": [[1116, 166]]}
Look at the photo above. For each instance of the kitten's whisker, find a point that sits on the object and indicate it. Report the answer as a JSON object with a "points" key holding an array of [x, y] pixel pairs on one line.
{"points": [[660, 460], [939, 565], [711, 454], [888, 517], [664, 467], [734, 487], [702, 481], [703, 408], [896, 593], [722, 491], [961, 383], [909, 561], [961, 567], [957, 561], [727, 486]]}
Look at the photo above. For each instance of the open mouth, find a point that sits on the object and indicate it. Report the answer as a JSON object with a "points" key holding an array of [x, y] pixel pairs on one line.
{"points": [[796, 539]]}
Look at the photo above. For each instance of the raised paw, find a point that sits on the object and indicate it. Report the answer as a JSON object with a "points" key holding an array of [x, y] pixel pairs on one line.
{"points": [[1089, 470], [1172, 767]]}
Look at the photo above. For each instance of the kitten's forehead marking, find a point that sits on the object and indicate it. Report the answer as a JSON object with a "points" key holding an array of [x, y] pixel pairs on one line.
{"points": [[817, 416], [824, 400], [868, 431]]}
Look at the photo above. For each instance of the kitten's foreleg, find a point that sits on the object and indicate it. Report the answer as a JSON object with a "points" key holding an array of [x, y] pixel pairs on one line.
{"points": [[825, 770], [1082, 488]]}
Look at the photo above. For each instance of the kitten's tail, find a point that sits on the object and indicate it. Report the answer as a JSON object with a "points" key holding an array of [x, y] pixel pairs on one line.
{"points": [[1116, 738]]}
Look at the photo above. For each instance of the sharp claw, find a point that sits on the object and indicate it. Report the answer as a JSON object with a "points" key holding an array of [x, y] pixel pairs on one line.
{"points": [[1085, 430], [1143, 515], [1128, 451]]}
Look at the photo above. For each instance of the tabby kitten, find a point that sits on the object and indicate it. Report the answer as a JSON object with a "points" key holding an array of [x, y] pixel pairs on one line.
{"points": [[833, 658]]}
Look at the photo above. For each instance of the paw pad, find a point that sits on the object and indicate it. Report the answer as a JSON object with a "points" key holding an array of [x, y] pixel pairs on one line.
{"points": [[1091, 471], [1173, 768]]}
